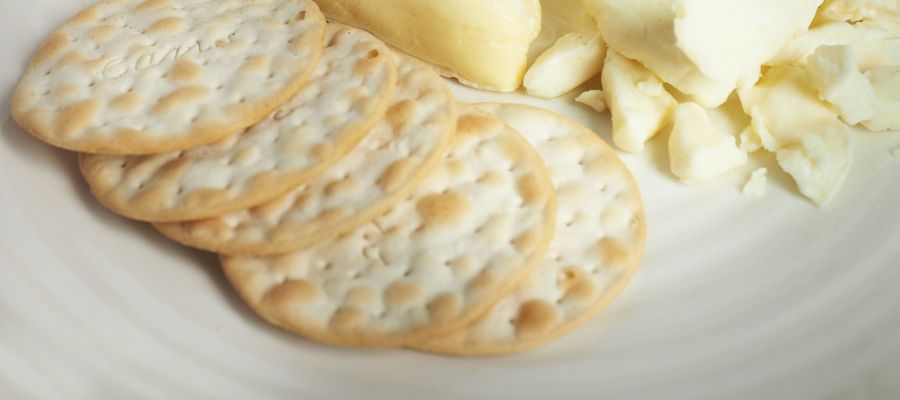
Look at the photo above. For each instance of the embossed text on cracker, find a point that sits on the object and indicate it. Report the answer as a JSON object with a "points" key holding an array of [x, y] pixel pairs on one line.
{"points": [[118, 66]]}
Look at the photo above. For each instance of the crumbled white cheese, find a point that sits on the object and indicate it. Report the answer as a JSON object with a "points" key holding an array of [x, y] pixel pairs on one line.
{"points": [[871, 98], [876, 44], [639, 103], [808, 138], [703, 48], [756, 184], [833, 72], [595, 99], [749, 141], [857, 10], [698, 151], [886, 102]]}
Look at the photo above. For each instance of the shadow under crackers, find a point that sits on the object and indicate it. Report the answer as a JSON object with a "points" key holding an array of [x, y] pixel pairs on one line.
{"points": [[65, 163]]}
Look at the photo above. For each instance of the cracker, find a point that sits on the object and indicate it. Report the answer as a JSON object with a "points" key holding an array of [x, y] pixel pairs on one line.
{"points": [[301, 140], [600, 235], [387, 166], [132, 77], [475, 227]]}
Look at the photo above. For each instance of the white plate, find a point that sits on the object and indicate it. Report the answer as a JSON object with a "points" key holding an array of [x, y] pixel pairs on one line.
{"points": [[737, 297]]}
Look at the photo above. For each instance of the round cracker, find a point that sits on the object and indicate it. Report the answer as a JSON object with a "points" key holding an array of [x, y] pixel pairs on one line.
{"points": [[600, 235], [386, 167], [144, 77], [301, 140], [475, 227]]}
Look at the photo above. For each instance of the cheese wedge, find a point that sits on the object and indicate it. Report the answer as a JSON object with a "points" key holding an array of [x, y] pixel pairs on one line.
{"points": [[703, 48], [482, 43]]}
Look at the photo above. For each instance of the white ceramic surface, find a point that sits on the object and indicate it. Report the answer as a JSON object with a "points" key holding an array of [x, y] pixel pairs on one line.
{"points": [[737, 298]]}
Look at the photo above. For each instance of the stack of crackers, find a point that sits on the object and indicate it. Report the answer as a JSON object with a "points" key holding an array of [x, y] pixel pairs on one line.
{"points": [[353, 201]]}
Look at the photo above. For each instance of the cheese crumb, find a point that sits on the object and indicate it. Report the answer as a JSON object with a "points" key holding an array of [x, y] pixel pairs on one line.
{"points": [[749, 141], [756, 184], [595, 99]]}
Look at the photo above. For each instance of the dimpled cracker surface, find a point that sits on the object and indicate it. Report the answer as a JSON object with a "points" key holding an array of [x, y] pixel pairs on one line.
{"points": [[145, 77], [472, 230], [349, 93], [389, 163], [600, 235]]}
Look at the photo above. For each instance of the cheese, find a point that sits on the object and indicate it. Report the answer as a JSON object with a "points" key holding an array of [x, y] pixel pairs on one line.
{"points": [[483, 43], [875, 42], [756, 184], [572, 60], [703, 48], [567, 15], [871, 98], [858, 10], [576, 55], [558, 17], [819, 162], [833, 72], [786, 101], [757, 132], [885, 83], [810, 142], [697, 150], [749, 141], [595, 99], [729, 40], [639, 104]]}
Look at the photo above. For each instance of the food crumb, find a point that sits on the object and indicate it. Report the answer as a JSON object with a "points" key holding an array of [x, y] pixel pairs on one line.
{"points": [[594, 99], [756, 185]]}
